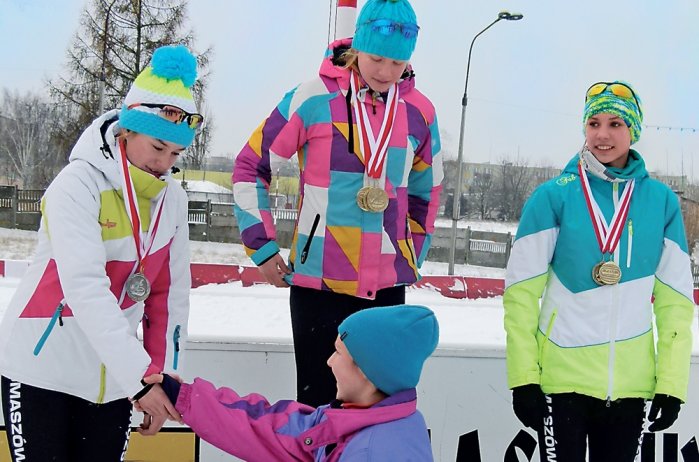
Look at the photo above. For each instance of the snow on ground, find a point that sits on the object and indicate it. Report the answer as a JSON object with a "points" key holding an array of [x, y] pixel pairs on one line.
{"points": [[231, 312], [17, 244], [206, 186]]}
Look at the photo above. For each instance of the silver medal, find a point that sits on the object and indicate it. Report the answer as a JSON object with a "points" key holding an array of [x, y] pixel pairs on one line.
{"points": [[137, 287]]}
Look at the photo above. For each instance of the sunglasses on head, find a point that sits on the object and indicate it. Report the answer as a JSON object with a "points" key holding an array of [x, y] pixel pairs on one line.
{"points": [[172, 114], [618, 89], [388, 27]]}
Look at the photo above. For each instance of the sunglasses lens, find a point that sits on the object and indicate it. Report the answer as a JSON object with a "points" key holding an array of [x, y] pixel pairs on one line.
{"points": [[195, 120], [409, 30], [596, 89], [621, 90], [172, 114]]}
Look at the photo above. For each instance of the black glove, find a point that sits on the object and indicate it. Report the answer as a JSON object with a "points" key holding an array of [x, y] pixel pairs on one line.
{"points": [[529, 404], [668, 407]]}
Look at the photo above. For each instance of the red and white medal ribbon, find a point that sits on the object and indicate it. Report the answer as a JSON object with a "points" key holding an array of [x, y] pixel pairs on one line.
{"points": [[608, 236], [143, 245], [374, 148]]}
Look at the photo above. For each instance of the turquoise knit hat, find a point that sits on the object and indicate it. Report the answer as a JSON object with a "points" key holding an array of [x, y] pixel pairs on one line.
{"points": [[390, 344], [628, 109], [379, 29], [167, 81]]}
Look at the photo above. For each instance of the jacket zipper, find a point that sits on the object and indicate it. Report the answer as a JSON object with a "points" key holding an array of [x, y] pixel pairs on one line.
{"points": [[176, 340], [408, 242], [57, 316], [350, 122], [628, 252], [614, 315], [304, 252]]}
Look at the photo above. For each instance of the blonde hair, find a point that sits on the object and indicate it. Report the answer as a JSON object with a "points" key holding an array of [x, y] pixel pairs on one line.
{"points": [[348, 59]]}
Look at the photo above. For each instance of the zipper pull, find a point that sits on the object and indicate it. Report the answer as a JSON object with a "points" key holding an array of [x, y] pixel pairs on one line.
{"points": [[373, 102], [177, 338], [146, 321], [60, 316], [630, 228], [609, 401]]}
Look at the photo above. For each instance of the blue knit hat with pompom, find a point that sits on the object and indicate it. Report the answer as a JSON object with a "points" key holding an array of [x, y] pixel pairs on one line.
{"points": [[168, 81], [390, 344]]}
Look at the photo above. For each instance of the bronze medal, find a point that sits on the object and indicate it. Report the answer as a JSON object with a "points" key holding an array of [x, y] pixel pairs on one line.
{"points": [[377, 200], [137, 287]]}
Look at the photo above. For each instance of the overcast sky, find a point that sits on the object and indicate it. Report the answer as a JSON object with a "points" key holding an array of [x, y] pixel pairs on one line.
{"points": [[526, 85]]}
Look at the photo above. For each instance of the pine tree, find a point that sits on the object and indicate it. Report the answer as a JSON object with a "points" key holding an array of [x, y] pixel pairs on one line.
{"points": [[114, 43]]}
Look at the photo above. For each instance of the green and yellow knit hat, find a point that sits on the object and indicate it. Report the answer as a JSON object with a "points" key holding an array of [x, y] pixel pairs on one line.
{"points": [[167, 81], [617, 98]]}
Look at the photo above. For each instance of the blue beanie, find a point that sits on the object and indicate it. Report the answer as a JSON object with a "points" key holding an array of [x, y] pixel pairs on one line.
{"points": [[390, 344], [373, 40], [167, 81], [627, 109]]}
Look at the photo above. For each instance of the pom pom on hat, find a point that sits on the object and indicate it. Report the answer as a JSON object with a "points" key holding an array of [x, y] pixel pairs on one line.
{"points": [[628, 109], [390, 344], [166, 81], [395, 45], [175, 62]]}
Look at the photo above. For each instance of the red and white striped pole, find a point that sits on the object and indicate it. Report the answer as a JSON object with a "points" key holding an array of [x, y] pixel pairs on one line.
{"points": [[345, 19]]}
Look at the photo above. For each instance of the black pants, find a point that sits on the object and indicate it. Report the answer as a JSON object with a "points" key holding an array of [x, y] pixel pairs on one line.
{"points": [[315, 316], [44, 425], [575, 421]]}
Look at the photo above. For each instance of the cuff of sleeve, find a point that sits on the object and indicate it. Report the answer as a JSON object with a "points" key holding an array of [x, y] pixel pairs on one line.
{"points": [[183, 398], [265, 252], [171, 387]]}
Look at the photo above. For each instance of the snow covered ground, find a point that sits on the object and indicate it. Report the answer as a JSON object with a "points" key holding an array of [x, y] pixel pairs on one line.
{"points": [[233, 312]]}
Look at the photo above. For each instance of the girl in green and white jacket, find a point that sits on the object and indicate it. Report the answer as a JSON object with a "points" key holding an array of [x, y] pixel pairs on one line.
{"points": [[599, 250]]}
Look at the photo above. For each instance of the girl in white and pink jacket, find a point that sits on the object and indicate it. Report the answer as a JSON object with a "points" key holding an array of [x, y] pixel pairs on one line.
{"points": [[113, 251]]}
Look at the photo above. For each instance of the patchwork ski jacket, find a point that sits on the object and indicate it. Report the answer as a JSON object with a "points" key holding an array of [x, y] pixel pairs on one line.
{"points": [[69, 326], [336, 245], [254, 430], [599, 340]]}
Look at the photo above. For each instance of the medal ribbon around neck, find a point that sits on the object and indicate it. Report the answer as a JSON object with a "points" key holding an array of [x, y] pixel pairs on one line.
{"points": [[143, 247], [607, 237], [374, 148]]}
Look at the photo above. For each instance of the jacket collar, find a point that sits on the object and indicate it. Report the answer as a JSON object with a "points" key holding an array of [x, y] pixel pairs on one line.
{"points": [[340, 424]]}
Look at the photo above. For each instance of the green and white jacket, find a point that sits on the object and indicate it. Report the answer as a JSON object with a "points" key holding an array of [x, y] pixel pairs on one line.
{"points": [[568, 334]]}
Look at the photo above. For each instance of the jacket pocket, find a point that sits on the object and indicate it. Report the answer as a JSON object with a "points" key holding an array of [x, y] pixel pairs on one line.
{"points": [[176, 341], [630, 246], [57, 316], [543, 348], [304, 252]]}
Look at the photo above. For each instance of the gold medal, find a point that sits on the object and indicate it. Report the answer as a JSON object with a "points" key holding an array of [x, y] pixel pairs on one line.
{"points": [[606, 273], [361, 198], [377, 200]]}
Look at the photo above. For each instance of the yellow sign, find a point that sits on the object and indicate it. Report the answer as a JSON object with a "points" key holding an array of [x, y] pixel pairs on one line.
{"points": [[170, 445]]}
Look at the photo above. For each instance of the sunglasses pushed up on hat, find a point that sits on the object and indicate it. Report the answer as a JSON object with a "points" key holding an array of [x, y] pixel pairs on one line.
{"points": [[388, 27], [172, 114], [617, 89]]}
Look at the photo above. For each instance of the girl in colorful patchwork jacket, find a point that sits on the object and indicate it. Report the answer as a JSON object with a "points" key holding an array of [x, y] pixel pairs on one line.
{"points": [[367, 143], [378, 358], [113, 250], [603, 247]]}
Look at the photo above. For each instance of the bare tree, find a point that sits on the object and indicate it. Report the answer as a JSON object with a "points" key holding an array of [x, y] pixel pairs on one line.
{"points": [[25, 137], [481, 194], [114, 43], [513, 185]]}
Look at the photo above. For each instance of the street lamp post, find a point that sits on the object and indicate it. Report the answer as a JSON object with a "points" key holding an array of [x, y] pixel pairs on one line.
{"points": [[456, 207]]}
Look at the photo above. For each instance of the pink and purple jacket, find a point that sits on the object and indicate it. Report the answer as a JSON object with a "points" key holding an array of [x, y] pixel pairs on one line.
{"points": [[336, 245], [69, 326], [254, 430]]}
